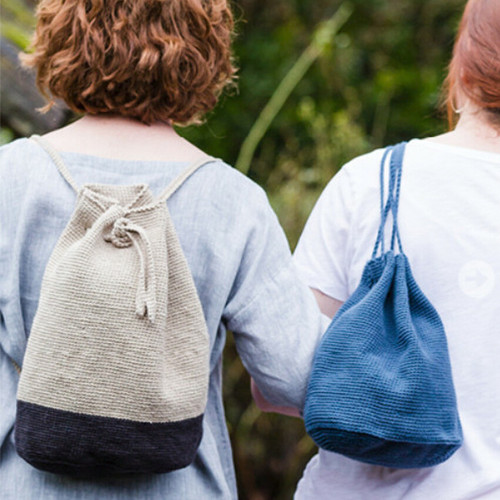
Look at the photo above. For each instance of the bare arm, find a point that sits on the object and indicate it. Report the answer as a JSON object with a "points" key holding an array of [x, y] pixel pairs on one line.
{"points": [[329, 307]]}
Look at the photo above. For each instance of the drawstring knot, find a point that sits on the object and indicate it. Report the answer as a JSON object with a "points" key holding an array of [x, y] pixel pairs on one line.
{"points": [[123, 235], [119, 235]]}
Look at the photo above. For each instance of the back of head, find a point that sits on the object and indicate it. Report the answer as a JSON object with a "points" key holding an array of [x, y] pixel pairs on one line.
{"points": [[153, 60], [474, 71]]}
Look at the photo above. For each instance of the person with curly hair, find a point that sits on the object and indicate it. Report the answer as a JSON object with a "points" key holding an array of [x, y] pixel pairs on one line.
{"points": [[133, 69]]}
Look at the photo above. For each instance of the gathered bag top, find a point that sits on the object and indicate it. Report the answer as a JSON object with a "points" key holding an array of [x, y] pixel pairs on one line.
{"points": [[115, 375], [381, 389]]}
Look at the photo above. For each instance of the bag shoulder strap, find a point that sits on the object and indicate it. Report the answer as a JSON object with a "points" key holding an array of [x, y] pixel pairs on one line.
{"points": [[56, 158], [166, 194], [183, 176], [392, 204]]}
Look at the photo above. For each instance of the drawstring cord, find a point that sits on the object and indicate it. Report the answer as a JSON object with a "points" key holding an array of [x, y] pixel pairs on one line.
{"points": [[392, 204], [125, 234]]}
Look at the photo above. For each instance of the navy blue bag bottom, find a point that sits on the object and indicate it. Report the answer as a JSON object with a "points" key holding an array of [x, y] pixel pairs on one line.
{"points": [[378, 451], [102, 446]]}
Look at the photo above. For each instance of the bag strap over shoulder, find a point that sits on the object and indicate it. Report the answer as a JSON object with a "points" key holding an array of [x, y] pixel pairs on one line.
{"points": [[166, 194], [56, 158], [179, 181], [392, 204]]}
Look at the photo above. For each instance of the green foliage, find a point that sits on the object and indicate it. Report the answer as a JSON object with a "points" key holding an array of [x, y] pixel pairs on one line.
{"points": [[16, 22], [321, 40], [376, 82], [6, 135]]}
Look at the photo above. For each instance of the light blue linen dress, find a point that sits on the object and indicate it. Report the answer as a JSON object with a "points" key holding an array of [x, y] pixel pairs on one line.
{"points": [[242, 268]]}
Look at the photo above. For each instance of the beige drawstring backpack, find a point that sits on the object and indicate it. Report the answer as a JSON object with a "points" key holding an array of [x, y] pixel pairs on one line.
{"points": [[115, 375]]}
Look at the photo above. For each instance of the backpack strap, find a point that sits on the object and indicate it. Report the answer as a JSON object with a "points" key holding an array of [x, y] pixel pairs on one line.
{"points": [[178, 181], [396, 171], [56, 158], [392, 204], [166, 194]]}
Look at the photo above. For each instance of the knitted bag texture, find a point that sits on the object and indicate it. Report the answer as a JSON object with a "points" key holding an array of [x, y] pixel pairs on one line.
{"points": [[381, 388], [115, 375]]}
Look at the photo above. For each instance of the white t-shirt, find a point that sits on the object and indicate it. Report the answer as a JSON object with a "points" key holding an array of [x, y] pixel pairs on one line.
{"points": [[449, 220]]}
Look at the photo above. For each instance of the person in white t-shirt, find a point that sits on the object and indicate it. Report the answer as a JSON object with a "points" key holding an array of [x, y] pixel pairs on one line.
{"points": [[449, 221]]}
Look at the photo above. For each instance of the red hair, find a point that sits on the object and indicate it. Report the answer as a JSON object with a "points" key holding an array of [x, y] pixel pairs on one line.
{"points": [[154, 60], [475, 67]]}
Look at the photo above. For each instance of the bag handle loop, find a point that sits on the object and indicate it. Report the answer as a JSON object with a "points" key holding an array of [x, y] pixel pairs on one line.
{"points": [[392, 204]]}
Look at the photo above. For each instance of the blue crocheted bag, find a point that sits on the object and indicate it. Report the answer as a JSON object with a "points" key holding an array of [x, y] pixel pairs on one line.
{"points": [[381, 388]]}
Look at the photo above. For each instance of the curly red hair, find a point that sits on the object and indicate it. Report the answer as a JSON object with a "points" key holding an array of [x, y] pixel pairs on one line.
{"points": [[475, 67], [153, 60]]}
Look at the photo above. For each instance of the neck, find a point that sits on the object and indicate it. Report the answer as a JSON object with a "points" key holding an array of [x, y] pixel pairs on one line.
{"points": [[473, 131], [120, 124], [476, 125], [114, 136]]}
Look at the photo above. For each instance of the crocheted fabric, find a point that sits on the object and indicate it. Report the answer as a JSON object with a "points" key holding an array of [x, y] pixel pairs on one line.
{"points": [[115, 376], [381, 388]]}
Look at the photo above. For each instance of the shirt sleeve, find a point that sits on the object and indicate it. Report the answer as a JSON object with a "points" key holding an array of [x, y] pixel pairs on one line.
{"points": [[322, 253], [274, 317], [11, 344]]}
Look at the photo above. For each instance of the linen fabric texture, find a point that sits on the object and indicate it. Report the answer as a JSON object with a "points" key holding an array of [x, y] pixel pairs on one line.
{"points": [[240, 262], [381, 389], [115, 376]]}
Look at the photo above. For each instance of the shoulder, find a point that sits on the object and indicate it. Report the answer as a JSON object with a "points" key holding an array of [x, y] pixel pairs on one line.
{"points": [[353, 181], [14, 171], [364, 169], [359, 179], [366, 163], [226, 186], [353, 194], [21, 162], [18, 150], [225, 176]]}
